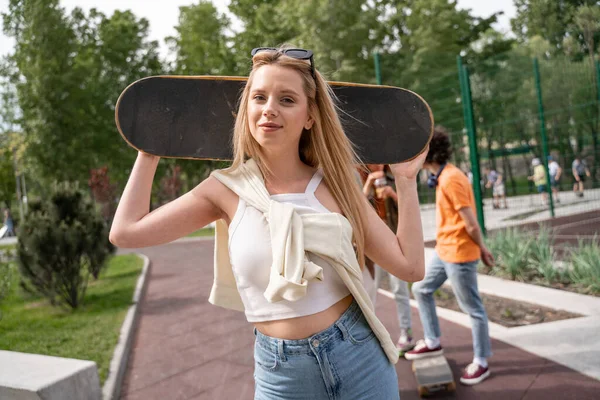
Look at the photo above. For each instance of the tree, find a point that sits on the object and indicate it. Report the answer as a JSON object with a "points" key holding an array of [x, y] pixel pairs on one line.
{"points": [[5, 280], [266, 23], [62, 241], [71, 70], [587, 19], [554, 20], [201, 45], [432, 34]]}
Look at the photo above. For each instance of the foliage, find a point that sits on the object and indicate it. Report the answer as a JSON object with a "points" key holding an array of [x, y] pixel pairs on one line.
{"points": [[531, 257], [5, 280], [585, 265], [542, 256], [524, 256], [62, 241], [553, 20], [200, 46], [8, 185], [70, 71], [170, 185], [103, 192], [512, 249]]}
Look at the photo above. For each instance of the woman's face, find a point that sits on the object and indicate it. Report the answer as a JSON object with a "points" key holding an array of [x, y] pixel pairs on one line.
{"points": [[277, 107]]}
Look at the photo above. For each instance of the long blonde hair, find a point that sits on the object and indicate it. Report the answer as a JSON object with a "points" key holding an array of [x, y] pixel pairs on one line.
{"points": [[324, 146]]}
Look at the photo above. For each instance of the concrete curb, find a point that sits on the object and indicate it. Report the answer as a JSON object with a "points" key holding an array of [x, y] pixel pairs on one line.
{"points": [[118, 364]]}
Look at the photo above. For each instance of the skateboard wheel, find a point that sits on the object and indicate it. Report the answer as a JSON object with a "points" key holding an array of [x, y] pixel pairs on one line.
{"points": [[451, 387], [423, 391]]}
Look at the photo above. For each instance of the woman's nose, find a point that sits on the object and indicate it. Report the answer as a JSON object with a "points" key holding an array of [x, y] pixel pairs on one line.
{"points": [[270, 109]]}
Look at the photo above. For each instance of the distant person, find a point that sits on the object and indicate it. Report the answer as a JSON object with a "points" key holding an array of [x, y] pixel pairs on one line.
{"points": [[555, 173], [580, 171], [539, 178], [9, 224], [496, 182]]}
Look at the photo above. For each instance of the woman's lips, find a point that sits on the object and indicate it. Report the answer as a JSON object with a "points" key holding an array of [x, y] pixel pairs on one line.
{"points": [[269, 127]]}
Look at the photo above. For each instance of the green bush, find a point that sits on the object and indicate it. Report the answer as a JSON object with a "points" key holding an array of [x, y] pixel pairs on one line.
{"points": [[531, 257], [512, 249], [62, 241], [585, 265], [542, 257]]}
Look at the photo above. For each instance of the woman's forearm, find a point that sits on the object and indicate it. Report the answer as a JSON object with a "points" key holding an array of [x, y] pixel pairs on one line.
{"points": [[410, 229], [135, 201]]}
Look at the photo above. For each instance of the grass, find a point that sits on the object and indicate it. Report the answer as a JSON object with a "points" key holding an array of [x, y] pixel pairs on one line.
{"points": [[203, 232], [31, 325]]}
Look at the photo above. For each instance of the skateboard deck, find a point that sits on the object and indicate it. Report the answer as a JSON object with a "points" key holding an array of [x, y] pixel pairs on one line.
{"points": [[193, 117], [433, 374]]}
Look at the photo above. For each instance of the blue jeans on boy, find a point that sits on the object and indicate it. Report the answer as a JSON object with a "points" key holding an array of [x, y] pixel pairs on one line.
{"points": [[463, 277]]}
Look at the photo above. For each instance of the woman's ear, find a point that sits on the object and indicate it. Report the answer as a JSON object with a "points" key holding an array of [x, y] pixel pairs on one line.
{"points": [[309, 123]]}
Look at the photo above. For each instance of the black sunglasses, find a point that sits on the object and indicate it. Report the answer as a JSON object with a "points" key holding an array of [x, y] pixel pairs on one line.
{"points": [[299, 54]]}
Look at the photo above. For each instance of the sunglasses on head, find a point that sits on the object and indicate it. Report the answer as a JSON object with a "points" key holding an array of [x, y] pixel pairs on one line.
{"points": [[299, 54]]}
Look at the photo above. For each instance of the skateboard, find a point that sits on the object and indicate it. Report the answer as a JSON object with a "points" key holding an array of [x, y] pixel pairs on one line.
{"points": [[193, 117], [433, 374]]}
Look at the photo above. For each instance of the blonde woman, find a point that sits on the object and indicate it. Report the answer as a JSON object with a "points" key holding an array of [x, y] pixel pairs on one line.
{"points": [[292, 232]]}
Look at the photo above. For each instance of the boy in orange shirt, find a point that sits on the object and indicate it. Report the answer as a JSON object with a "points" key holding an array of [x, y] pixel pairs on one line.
{"points": [[458, 250]]}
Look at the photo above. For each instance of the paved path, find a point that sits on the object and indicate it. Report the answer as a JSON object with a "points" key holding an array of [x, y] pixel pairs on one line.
{"points": [[186, 348]]}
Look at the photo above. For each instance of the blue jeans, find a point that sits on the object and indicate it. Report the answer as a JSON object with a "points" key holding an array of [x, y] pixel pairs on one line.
{"points": [[463, 277], [343, 362], [401, 295]]}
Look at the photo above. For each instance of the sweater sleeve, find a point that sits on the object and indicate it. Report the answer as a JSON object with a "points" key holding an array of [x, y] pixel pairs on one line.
{"points": [[224, 292]]}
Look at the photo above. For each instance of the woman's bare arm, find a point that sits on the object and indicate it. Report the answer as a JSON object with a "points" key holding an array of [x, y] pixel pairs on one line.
{"points": [[402, 254], [135, 226]]}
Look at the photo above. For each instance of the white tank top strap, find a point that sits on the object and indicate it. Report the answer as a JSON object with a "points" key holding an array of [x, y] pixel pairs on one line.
{"points": [[314, 182]]}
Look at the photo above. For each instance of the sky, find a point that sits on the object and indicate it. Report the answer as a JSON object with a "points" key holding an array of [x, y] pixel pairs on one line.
{"points": [[162, 15]]}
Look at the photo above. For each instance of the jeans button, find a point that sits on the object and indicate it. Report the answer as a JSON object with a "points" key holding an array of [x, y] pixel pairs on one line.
{"points": [[315, 343]]}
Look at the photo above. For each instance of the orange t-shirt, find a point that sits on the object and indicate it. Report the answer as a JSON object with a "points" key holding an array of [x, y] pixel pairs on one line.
{"points": [[453, 193]]}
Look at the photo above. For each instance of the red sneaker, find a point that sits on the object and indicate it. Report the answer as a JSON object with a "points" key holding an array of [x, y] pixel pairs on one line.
{"points": [[474, 373], [421, 351]]}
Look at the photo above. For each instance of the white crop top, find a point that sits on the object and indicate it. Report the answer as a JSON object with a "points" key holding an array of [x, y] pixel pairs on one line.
{"points": [[251, 258]]}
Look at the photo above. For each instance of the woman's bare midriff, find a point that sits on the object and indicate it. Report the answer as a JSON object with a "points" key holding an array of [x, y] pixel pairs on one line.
{"points": [[304, 327]]}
